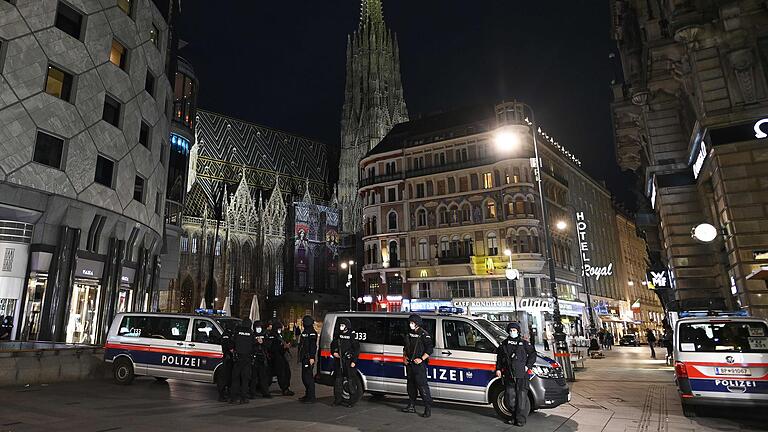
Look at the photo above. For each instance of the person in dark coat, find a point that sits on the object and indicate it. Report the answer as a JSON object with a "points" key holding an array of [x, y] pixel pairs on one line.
{"points": [[345, 349], [514, 358], [307, 355], [651, 338], [278, 351], [224, 377], [418, 348], [243, 355], [260, 376]]}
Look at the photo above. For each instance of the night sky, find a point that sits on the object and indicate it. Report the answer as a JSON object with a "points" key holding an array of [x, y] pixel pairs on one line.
{"points": [[282, 64]]}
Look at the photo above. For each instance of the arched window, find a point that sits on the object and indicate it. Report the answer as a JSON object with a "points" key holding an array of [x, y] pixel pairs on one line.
{"points": [[522, 240], [466, 212], [490, 209], [392, 220], [423, 249], [534, 239], [444, 247], [374, 225], [516, 174], [443, 211], [421, 217], [519, 206], [455, 243], [468, 248], [394, 261], [493, 244], [454, 213]]}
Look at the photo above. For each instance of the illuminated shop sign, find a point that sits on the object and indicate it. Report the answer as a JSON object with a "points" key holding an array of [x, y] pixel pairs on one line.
{"points": [[589, 270], [747, 131], [701, 156], [658, 279], [179, 143], [507, 304]]}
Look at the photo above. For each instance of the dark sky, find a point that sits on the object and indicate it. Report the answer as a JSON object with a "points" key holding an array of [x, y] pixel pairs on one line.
{"points": [[281, 63]]}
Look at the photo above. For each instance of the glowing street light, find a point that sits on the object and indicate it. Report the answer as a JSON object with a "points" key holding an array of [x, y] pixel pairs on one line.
{"points": [[704, 232], [348, 266], [561, 225]]}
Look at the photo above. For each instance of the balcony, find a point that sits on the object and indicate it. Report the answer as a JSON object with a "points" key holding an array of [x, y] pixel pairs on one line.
{"points": [[451, 166], [381, 179], [447, 260]]}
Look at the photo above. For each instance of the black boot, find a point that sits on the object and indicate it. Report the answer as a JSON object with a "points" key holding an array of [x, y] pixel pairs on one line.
{"points": [[409, 409], [427, 412]]}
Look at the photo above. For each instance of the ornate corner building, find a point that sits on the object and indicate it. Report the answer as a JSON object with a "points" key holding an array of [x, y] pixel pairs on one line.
{"points": [[689, 109], [373, 102], [84, 131]]}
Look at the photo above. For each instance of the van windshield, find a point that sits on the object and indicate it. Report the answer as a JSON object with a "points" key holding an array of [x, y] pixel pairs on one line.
{"points": [[493, 329], [732, 336]]}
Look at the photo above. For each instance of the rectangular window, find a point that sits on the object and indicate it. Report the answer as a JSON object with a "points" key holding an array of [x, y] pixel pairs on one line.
{"points": [[500, 288], [205, 332], [118, 54], [149, 84], [69, 20], [423, 290], [138, 189], [184, 244], [418, 163], [463, 336], [451, 185], [105, 169], [398, 328], [487, 180], [391, 195], [464, 288], [420, 190], [144, 135], [154, 36], [463, 184], [58, 83], [111, 113], [125, 6], [159, 203], [48, 150], [194, 245], [8, 259]]}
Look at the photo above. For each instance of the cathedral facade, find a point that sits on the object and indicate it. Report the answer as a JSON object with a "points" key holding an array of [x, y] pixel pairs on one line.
{"points": [[373, 102]]}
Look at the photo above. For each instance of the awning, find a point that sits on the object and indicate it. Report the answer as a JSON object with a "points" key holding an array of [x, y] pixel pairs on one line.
{"points": [[759, 274], [610, 318]]}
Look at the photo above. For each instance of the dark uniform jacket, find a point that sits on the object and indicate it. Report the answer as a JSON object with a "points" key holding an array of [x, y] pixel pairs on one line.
{"points": [[243, 342], [227, 344], [275, 345], [514, 357], [346, 346], [417, 343], [307, 344]]}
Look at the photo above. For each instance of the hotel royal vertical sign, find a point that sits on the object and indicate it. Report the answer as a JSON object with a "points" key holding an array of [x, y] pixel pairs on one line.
{"points": [[589, 269]]}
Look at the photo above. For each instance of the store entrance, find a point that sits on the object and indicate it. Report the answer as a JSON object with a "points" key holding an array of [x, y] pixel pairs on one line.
{"points": [[83, 312], [34, 307], [124, 299]]}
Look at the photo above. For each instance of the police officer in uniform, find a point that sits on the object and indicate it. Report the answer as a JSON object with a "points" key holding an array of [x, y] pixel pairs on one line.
{"points": [[346, 350], [514, 358], [260, 377], [418, 348], [224, 378], [278, 351], [307, 355], [241, 370]]}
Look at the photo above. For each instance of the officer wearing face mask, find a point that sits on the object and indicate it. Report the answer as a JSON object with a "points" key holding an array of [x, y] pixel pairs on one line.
{"points": [[514, 359], [279, 356], [418, 348], [307, 355], [345, 349], [241, 370], [260, 377]]}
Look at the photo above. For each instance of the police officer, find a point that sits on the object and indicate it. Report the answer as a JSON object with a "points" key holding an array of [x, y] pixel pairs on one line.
{"points": [[260, 377], [241, 370], [418, 348], [278, 354], [224, 378], [307, 355], [345, 349], [514, 358]]}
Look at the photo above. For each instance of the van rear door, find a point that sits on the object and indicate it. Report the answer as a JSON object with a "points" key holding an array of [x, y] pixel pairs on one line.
{"points": [[168, 350], [130, 340]]}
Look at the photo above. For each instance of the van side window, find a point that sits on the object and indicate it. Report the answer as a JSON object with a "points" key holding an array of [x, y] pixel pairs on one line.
{"points": [[167, 328], [133, 326], [369, 329], [398, 328], [205, 332], [461, 335]]}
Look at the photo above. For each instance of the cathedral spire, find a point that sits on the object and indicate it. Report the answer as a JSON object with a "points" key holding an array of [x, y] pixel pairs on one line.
{"points": [[371, 11]]}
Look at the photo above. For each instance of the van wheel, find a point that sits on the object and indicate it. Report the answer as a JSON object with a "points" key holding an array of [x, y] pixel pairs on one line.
{"points": [[352, 389], [122, 371], [499, 404], [689, 410], [161, 379]]}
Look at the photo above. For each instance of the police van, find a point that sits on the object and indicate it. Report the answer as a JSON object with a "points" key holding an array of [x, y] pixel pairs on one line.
{"points": [[461, 367], [721, 359], [164, 346]]}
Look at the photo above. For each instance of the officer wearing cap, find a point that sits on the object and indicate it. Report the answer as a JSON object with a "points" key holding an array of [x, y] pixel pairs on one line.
{"points": [[260, 377], [345, 349], [307, 355], [241, 370], [418, 348], [514, 358]]}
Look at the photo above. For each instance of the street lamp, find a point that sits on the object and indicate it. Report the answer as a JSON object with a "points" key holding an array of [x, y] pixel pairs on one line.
{"points": [[704, 232], [313, 308], [348, 266], [514, 124], [511, 274]]}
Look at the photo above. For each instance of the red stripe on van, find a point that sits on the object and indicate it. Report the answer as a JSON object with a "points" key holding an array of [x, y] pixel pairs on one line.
{"points": [[695, 373], [432, 361], [164, 350], [728, 364]]}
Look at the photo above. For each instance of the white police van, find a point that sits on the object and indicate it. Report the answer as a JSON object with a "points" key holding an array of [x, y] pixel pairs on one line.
{"points": [[461, 368], [721, 360], [163, 346]]}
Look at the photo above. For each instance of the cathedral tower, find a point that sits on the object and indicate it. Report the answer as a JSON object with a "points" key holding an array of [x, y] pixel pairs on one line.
{"points": [[373, 102]]}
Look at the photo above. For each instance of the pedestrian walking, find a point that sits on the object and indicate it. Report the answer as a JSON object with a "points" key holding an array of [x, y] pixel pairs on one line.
{"points": [[243, 357], [260, 375], [307, 355], [609, 340], [666, 341], [545, 340], [651, 338], [418, 348], [224, 377], [514, 358], [345, 349], [278, 350], [601, 337]]}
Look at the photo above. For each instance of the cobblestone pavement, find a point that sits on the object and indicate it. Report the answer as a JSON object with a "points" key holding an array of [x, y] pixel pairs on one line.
{"points": [[623, 392]]}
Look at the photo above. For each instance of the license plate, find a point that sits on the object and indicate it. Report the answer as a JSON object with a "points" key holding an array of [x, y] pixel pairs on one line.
{"points": [[732, 371]]}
